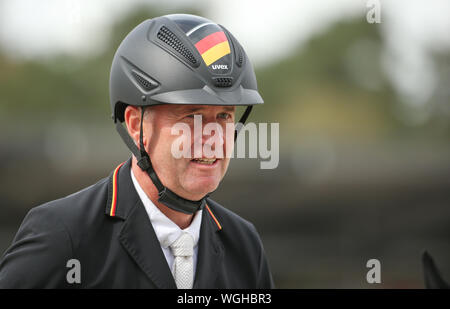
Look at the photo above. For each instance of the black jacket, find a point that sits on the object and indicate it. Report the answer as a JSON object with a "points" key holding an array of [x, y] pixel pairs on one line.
{"points": [[106, 228]]}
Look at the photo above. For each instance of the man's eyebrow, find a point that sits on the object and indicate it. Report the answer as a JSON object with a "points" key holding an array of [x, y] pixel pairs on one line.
{"points": [[229, 108]]}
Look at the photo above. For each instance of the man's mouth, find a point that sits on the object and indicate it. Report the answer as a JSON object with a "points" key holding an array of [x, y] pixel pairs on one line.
{"points": [[205, 161]]}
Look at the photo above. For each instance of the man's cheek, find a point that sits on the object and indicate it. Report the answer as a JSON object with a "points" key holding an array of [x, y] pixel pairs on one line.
{"points": [[229, 139], [225, 163]]}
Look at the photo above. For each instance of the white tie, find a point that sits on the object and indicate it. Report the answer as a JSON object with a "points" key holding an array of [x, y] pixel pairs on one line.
{"points": [[183, 266]]}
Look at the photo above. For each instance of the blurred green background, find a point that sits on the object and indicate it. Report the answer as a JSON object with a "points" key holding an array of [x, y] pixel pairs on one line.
{"points": [[364, 119]]}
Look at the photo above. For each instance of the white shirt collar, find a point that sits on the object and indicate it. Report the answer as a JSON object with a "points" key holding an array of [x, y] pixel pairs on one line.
{"points": [[166, 230]]}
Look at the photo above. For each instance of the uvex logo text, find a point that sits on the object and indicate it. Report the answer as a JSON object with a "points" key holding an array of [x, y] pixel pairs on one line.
{"points": [[220, 66]]}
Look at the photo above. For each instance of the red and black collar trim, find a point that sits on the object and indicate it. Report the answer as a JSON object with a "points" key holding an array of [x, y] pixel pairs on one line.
{"points": [[219, 226], [113, 206], [116, 206]]}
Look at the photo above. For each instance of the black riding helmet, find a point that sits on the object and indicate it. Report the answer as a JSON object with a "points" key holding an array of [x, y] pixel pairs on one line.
{"points": [[178, 59]]}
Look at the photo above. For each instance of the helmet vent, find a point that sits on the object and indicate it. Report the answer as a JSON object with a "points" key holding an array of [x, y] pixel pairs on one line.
{"points": [[168, 37], [240, 59], [143, 81], [223, 81]]}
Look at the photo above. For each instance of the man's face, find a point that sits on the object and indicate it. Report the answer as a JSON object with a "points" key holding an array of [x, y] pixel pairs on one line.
{"points": [[188, 177]]}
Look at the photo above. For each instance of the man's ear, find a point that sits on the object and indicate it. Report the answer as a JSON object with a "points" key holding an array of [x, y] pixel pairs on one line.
{"points": [[133, 122]]}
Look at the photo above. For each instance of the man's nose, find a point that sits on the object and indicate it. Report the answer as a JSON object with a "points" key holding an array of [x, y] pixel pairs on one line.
{"points": [[212, 129], [210, 134]]}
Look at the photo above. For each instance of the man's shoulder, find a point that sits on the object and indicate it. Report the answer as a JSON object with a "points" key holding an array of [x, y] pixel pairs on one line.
{"points": [[75, 210], [58, 227], [89, 197]]}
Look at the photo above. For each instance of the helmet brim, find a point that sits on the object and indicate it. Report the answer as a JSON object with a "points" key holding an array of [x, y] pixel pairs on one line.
{"points": [[206, 96]]}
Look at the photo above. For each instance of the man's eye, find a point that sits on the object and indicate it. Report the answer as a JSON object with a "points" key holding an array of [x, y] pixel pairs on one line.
{"points": [[224, 116]]}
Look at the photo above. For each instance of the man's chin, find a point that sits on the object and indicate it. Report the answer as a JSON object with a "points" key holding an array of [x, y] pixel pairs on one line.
{"points": [[202, 187]]}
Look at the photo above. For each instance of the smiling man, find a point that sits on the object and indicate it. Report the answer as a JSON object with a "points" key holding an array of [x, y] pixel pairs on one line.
{"points": [[151, 223], [195, 174]]}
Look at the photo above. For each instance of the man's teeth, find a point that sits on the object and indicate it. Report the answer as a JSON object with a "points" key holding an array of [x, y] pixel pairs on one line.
{"points": [[205, 161]]}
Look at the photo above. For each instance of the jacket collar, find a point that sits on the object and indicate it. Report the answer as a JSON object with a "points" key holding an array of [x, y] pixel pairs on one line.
{"points": [[122, 195], [139, 238]]}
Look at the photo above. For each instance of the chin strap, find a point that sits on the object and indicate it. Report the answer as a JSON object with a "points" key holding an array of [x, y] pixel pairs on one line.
{"points": [[165, 195]]}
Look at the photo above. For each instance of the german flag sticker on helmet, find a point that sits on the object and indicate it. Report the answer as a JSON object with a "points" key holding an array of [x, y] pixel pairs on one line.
{"points": [[213, 47], [210, 41]]}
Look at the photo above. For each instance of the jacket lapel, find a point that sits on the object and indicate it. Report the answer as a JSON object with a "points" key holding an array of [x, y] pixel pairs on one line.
{"points": [[137, 234], [139, 239], [210, 252]]}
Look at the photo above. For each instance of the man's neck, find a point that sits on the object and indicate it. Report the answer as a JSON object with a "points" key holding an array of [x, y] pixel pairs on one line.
{"points": [[181, 219]]}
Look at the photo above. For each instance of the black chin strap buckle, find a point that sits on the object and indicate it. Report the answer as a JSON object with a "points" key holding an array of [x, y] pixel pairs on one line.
{"points": [[144, 163]]}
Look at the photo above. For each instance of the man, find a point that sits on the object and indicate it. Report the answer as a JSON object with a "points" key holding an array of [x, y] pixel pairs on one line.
{"points": [[151, 223]]}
